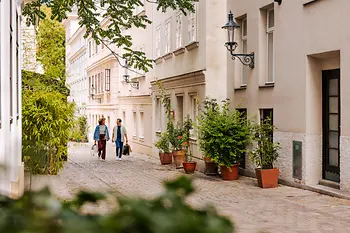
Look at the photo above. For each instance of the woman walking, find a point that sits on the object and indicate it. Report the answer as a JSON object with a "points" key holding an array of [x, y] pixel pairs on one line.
{"points": [[102, 136]]}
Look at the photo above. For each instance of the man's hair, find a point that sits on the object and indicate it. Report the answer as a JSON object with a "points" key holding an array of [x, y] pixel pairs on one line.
{"points": [[119, 120]]}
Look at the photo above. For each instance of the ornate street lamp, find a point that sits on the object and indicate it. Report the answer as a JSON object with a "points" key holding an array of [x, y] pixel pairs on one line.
{"points": [[126, 77], [231, 45]]}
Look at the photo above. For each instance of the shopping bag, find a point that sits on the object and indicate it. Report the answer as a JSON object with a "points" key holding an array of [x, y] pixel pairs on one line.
{"points": [[126, 150], [94, 150]]}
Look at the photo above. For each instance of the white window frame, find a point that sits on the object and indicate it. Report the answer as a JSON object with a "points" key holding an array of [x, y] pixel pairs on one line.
{"points": [[179, 30], [142, 125], [194, 111], [158, 116], [244, 41], [167, 35], [269, 31], [134, 115], [158, 41], [192, 25]]}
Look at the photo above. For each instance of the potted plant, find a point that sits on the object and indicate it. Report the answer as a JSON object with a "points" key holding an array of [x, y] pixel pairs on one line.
{"points": [[176, 140], [223, 136], [189, 165], [164, 152], [265, 154]]}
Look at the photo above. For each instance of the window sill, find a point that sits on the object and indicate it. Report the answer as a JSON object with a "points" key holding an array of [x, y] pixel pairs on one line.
{"points": [[141, 139], [158, 60], [167, 56], [179, 51], [267, 85], [241, 88], [192, 45]]}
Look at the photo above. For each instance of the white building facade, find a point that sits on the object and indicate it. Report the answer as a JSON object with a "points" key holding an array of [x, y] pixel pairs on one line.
{"points": [[76, 58], [12, 178]]}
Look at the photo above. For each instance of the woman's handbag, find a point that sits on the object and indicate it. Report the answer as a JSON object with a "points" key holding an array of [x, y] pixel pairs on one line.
{"points": [[94, 150]]}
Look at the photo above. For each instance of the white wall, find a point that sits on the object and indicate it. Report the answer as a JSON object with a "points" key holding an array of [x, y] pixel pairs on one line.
{"points": [[11, 181]]}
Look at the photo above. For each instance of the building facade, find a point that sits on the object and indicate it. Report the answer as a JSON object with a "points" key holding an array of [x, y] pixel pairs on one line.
{"points": [[12, 177], [76, 58], [300, 81]]}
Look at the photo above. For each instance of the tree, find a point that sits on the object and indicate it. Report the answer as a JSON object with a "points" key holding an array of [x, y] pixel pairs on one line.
{"points": [[120, 14], [51, 51]]}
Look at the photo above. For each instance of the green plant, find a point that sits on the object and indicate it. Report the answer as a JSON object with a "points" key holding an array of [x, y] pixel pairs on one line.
{"points": [[266, 152], [46, 122], [223, 134], [187, 127], [40, 212], [163, 143], [121, 16]]}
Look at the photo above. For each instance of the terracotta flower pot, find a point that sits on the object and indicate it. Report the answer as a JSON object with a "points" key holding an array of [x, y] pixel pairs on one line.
{"points": [[179, 158], [211, 168], [165, 158], [230, 173], [267, 178], [189, 167]]}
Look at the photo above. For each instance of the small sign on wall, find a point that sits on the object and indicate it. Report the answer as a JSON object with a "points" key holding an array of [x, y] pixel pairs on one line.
{"points": [[297, 160]]}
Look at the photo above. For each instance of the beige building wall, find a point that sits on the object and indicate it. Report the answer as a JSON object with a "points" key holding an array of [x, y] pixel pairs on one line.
{"points": [[305, 43]]}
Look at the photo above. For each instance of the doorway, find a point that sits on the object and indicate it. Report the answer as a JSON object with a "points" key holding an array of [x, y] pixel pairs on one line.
{"points": [[331, 124]]}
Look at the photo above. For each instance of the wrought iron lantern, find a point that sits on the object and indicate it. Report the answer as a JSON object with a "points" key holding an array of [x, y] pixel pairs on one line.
{"points": [[126, 77], [231, 45]]}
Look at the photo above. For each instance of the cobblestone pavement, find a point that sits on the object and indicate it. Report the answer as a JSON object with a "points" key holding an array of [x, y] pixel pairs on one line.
{"points": [[284, 209]]}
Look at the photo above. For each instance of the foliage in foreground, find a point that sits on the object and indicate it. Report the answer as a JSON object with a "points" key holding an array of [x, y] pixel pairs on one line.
{"points": [[39, 212], [121, 14]]}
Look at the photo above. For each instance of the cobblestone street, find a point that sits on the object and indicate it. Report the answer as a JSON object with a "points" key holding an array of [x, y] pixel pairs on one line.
{"points": [[252, 209]]}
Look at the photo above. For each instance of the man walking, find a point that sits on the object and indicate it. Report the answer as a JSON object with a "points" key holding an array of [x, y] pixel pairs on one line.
{"points": [[119, 132]]}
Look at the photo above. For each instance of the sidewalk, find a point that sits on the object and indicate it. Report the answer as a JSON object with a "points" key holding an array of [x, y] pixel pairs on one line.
{"points": [[284, 209]]}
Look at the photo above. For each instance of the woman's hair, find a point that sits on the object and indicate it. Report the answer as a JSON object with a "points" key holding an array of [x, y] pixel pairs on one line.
{"points": [[100, 120]]}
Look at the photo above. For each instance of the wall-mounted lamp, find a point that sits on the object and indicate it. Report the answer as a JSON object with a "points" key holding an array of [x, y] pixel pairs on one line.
{"points": [[126, 77], [231, 45], [278, 1]]}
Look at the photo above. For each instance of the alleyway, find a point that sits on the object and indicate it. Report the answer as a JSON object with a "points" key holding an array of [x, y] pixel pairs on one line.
{"points": [[252, 209]]}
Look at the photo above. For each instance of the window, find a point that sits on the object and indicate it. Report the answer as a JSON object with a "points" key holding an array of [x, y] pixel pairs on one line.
{"points": [[124, 117], [158, 115], [142, 125], [270, 45], [90, 48], [244, 36], [102, 83], [267, 114], [96, 85], [192, 26], [158, 42], [167, 37], [179, 114], [135, 124], [243, 112], [139, 9], [108, 79], [194, 110], [96, 48], [178, 30], [99, 83]]}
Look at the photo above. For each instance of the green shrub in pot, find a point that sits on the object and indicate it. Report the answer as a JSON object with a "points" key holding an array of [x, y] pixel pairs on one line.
{"points": [[223, 134]]}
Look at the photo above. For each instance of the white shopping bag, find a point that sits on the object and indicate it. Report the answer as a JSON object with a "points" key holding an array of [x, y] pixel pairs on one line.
{"points": [[94, 150]]}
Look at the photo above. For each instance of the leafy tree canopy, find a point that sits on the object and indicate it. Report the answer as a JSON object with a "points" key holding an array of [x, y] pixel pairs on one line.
{"points": [[120, 14], [51, 51]]}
